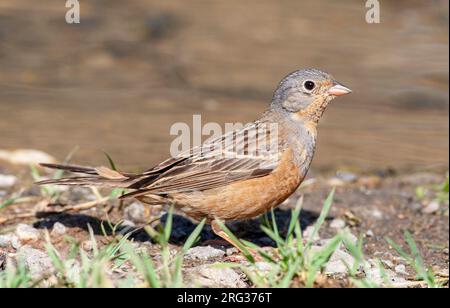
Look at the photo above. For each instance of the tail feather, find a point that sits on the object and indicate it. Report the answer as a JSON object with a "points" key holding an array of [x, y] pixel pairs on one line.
{"points": [[101, 176], [71, 168]]}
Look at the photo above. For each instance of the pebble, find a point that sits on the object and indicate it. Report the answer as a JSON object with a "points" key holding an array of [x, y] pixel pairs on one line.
{"points": [[431, 207], [264, 266], [58, 229], [337, 223], [7, 181], [338, 262], [26, 157], [209, 276], [374, 275], [204, 253], [27, 233], [9, 240], [135, 212], [347, 177], [308, 232], [377, 214], [370, 233], [37, 262], [401, 269], [231, 251], [335, 182]]}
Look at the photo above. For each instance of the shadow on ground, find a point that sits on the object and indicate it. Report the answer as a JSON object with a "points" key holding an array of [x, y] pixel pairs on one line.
{"points": [[182, 227]]}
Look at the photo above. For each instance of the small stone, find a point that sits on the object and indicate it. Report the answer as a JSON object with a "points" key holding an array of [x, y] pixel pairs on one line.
{"points": [[26, 157], [308, 233], [135, 212], [58, 229], [209, 276], [338, 263], [7, 181], [38, 262], [27, 233], [231, 251], [445, 251], [347, 177], [204, 253], [336, 182], [389, 278], [9, 240], [369, 233], [337, 223], [264, 266], [5, 241], [377, 214], [401, 269], [431, 207]]}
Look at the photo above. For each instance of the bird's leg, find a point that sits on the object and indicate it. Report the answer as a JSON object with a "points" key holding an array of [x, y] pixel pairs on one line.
{"points": [[219, 232]]}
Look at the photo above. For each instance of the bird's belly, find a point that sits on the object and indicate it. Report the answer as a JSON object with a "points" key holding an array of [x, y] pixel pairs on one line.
{"points": [[244, 199]]}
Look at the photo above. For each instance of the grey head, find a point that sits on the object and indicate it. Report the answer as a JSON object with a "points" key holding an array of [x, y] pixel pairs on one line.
{"points": [[307, 92]]}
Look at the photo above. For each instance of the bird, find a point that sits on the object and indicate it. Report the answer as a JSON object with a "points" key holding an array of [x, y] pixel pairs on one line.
{"points": [[241, 174]]}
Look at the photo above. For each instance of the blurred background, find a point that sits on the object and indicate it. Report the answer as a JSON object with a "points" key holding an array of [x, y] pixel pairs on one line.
{"points": [[117, 81]]}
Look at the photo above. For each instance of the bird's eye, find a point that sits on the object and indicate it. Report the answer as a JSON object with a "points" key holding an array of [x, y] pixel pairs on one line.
{"points": [[309, 85]]}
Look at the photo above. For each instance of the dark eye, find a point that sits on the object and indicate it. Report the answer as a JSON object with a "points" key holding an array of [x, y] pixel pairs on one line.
{"points": [[309, 85]]}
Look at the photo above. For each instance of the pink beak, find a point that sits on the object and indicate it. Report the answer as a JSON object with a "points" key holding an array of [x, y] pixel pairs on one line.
{"points": [[338, 90]]}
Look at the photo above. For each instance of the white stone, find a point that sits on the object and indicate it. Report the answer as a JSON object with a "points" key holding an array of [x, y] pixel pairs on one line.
{"points": [[58, 229], [35, 260], [204, 253], [401, 269], [7, 181], [431, 207], [213, 277], [7, 240], [26, 157], [308, 233], [135, 212], [337, 224], [338, 263], [27, 233]]}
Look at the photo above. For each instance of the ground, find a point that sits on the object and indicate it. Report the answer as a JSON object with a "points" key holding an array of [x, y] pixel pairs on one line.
{"points": [[375, 207]]}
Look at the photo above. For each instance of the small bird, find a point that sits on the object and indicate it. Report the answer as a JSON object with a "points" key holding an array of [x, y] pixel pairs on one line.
{"points": [[241, 174]]}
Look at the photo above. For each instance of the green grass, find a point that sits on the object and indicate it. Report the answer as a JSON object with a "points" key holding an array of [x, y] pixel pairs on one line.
{"points": [[415, 261], [16, 277], [295, 262]]}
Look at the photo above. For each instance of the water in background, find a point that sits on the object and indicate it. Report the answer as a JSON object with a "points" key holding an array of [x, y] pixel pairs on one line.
{"points": [[120, 79]]}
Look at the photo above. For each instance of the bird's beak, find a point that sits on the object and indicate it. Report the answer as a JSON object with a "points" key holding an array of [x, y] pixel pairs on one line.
{"points": [[338, 90]]}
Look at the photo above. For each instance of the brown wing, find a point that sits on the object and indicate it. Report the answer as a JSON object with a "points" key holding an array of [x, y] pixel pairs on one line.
{"points": [[248, 153]]}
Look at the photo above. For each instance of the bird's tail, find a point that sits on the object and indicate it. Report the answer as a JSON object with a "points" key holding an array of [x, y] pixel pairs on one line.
{"points": [[100, 176]]}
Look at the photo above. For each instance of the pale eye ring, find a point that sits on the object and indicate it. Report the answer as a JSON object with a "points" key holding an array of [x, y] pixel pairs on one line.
{"points": [[309, 85]]}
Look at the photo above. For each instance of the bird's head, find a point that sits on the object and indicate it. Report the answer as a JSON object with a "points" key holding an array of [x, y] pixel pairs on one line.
{"points": [[306, 93]]}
